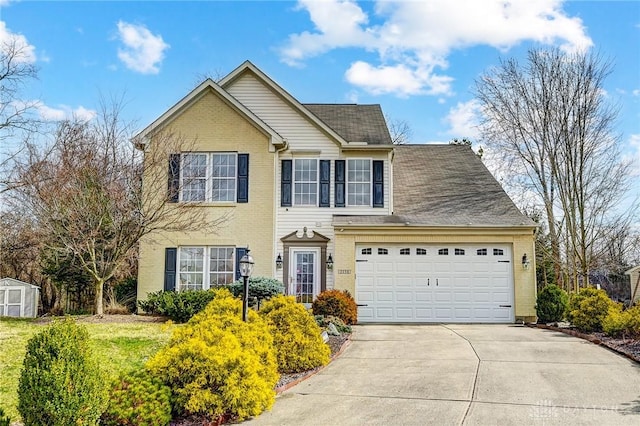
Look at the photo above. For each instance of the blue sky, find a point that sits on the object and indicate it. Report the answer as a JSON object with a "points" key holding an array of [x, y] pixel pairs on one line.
{"points": [[417, 59]]}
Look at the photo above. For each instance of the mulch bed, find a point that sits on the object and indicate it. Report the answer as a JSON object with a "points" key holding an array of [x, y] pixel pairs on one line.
{"points": [[627, 347]]}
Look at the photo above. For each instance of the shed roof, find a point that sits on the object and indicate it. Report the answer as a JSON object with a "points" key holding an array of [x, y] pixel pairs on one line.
{"points": [[11, 282]]}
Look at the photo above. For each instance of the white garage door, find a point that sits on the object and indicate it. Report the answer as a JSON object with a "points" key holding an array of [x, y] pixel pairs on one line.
{"points": [[434, 283]]}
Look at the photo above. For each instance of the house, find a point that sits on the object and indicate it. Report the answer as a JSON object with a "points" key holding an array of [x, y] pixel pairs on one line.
{"points": [[18, 299], [417, 233], [634, 281]]}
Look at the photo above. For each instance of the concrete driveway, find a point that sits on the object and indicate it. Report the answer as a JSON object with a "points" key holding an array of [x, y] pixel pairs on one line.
{"points": [[465, 375]]}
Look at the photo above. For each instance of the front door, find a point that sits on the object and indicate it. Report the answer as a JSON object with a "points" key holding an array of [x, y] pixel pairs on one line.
{"points": [[304, 276]]}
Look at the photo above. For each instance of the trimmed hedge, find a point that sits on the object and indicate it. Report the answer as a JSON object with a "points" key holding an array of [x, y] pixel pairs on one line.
{"points": [[260, 288]]}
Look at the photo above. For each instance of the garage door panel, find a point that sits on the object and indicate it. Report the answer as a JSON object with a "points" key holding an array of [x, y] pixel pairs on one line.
{"points": [[404, 296], [404, 313], [414, 283]]}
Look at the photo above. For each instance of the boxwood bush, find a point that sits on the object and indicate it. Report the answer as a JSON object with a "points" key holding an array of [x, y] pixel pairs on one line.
{"points": [[296, 336], [219, 366], [551, 304], [61, 383]]}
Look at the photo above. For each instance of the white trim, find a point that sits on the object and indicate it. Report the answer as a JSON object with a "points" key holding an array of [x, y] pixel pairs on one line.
{"points": [[293, 182], [208, 190], [316, 269], [206, 257], [346, 181]]}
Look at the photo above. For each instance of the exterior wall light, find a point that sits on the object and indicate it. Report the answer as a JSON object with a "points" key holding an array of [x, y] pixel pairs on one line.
{"points": [[525, 261], [279, 261], [246, 268], [329, 262]]}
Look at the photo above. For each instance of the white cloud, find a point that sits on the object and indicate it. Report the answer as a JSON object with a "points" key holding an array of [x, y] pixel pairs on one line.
{"points": [[142, 51], [64, 112], [413, 38], [636, 92], [23, 51], [463, 120]]}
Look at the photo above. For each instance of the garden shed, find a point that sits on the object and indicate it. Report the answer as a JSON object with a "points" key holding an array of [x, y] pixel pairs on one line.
{"points": [[634, 278], [18, 299]]}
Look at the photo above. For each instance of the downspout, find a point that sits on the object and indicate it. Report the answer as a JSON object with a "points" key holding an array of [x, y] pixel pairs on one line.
{"points": [[276, 159]]}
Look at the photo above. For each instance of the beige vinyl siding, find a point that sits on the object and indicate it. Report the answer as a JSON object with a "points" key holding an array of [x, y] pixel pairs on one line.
{"points": [[306, 140]]}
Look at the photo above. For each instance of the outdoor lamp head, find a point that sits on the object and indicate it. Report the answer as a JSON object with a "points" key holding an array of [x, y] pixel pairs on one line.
{"points": [[246, 264]]}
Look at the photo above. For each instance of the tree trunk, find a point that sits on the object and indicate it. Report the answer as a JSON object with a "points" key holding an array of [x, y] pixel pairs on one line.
{"points": [[99, 307]]}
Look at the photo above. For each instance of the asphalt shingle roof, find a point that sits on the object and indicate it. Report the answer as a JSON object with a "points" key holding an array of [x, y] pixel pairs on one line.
{"points": [[355, 123], [444, 185]]}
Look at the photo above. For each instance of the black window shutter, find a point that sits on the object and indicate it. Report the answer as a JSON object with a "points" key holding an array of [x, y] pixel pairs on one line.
{"points": [[325, 179], [339, 183], [173, 189], [243, 178], [240, 251], [170, 263], [378, 183], [285, 188]]}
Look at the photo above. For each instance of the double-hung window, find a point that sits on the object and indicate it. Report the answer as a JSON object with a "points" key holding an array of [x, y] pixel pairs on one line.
{"points": [[209, 177], [359, 182], [205, 267], [305, 182]]}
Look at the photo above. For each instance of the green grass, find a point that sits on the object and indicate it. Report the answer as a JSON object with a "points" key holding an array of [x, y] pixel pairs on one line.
{"points": [[118, 346]]}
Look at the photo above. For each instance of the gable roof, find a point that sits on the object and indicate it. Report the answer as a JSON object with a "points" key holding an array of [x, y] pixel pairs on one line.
{"points": [[444, 185], [208, 85], [355, 123]]}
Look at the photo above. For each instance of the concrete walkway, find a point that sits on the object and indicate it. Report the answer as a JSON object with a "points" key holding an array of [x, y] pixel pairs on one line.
{"points": [[465, 375]]}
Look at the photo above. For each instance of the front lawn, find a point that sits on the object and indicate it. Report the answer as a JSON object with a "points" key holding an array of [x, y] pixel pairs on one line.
{"points": [[119, 345]]}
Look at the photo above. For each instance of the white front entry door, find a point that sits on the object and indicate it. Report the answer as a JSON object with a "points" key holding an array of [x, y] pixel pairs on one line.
{"points": [[304, 276]]}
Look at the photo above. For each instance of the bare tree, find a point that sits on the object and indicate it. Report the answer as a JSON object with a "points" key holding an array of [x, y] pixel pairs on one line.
{"points": [[87, 195], [399, 130], [16, 71], [550, 119]]}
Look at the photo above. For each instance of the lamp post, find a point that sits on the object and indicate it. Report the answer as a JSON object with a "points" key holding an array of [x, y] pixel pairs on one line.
{"points": [[246, 268]]}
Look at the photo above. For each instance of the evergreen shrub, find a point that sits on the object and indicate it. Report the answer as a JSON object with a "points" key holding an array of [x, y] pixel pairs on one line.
{"points": [[551, 304], [619, 323], [61, 383], [219, 366], [296, 336], [179, 306], [588, 309], [139, 399], [4, 420], [260, 288], [337, 303]]}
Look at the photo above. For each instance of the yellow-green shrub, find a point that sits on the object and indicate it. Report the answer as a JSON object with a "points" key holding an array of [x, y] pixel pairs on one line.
{"points": [[218, 365], [588, 308], [337, 303], [137, 398], [622, 323], [296, 335]]}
